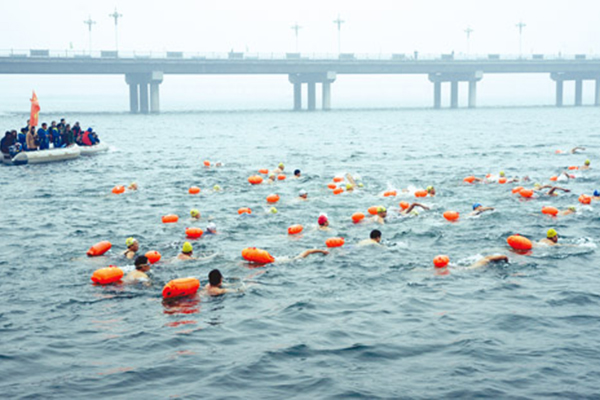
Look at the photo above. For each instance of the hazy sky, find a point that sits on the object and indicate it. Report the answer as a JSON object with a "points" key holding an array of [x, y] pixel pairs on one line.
{"points": [[375, 26]]}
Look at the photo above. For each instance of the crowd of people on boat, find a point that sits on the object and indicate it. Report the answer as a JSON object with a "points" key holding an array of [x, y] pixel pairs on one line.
{"points": [[56, 136]]}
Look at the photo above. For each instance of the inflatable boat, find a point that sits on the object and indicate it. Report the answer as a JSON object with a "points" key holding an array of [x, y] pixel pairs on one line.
{"points": [[95, 149], [42, 156]]}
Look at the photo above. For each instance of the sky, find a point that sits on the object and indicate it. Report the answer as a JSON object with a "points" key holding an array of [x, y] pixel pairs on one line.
{"points": [[377, 27]]}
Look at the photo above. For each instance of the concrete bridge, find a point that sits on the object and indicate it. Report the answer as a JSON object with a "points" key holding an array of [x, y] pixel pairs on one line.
{"points": [[144, 72]]}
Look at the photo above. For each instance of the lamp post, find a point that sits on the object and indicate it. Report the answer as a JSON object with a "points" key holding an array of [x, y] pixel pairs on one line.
{"points": [[521, 25], [116, 17], [468, 31], [296, 28], [339, 23], [89, 22]]}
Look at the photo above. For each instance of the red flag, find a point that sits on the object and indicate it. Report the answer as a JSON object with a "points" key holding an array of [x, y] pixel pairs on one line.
{"points": [[35, 110]]}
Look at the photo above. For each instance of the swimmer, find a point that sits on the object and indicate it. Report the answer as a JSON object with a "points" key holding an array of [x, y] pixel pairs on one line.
{"points": [[218, 164], [211, 228], [574, 150], [132, 186], [132, 247], [186, 252], [430, 190], [139, 274], [352, 182], [596, 195], [411, 209], [478, 209], [380, 216], [271, 178], [304, 254], [323, 223], [349, 187], [303, 195], [488, 259], [375, 239], [195, 214], [551, 238], [568, 211], [217, 188], [586, 165], [297, 173], [215, 282], [279, 169], [552, 191]]}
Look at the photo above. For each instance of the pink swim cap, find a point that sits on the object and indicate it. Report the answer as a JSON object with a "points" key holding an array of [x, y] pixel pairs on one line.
{"points": [[322, 219]]}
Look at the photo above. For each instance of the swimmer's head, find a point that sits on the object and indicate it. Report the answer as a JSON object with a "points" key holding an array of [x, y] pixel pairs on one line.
{"points": [[215, 278], [476, 206], [596, 193], [502, 174], [572, 208], [376, 235], [216, 188], [130, 242], [430, 190], [195, 213], [141, 263], [587, 162], [552, 235], [381, 211], [273, 210], [360, 184], [349, 186], [187, 248], [272, 177], [303, 193], [537, 185], [211, 227], [281, 166], [297, 172], [323, 221], [414, 213], [133, 186]]}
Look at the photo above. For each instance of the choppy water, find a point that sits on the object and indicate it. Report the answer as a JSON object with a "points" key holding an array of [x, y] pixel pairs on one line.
{"points": [[359, 323]]}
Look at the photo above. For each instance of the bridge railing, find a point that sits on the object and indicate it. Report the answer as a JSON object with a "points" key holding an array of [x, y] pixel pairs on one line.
{"points": [[249, 56]]}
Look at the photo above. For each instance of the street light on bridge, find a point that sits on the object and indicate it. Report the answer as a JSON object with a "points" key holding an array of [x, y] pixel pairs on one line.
{"points": [[89, 22], [339, 23], [521, 25], [296, 28], [468, 31], [116, 16]]}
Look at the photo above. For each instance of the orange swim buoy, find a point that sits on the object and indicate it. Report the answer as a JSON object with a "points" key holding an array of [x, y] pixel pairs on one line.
{"points": [[170, 219], [295, 229], [99, 248], [404, 205], [548, 210], [206, 163], [527, 193], [244, 210], [554, 178], [153, 256], [558, 152], [263, 171], [338, 191], [110, 274], [194, 233], [469, 179], [357, 217], [502, 181], [373, 210], [421, 193], [255, 180], [338, 179], [451, 215], [585, 199], [194, 190], [281, 177], [519, 242], [118, 189], [273, 198], [258, 256], [573, 167], [331, 185], [441, 261], [335, 242], [180, 287], [517, 189], [390, 193]]}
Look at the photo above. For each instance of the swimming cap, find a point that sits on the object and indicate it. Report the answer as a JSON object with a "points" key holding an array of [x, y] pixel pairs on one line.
{"points": [[587, 162], [133, 184], [596, 193], [216, 188], [302, 193], [476, 205], [360, 184], [572, 208], [273, 210], [551, 233], [501, 173], [414, 212], [187, 248], [195, 213], [296, 172], [89, 129], [281, 166], [322, 219], [429, 188], [349, 186], [130, 241], [381, 210], [272, 176], [211, 227], [537, 184]]}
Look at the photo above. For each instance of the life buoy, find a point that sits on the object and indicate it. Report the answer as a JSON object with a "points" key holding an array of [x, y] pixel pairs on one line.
{"points": [[451, 215], [331, 186], [585, 199], [273, 198], [338, 191], [527, 193], [118, 189], [421, 193], [263, 171], [194, 190], [194, 233], [441, 261], [517, 189], [206, 163], [244, 210], [338, 179], [281, 177], [519, 242], [469, 179], [548, 210], [258, 256], [105, 276], [180, 287], [255, 180], [390, 193], [99, 248], [373, 210], [404, 205], [295, 229], [335, 242], [357, 217], [153, 256], [170, 219], [502, 181]]}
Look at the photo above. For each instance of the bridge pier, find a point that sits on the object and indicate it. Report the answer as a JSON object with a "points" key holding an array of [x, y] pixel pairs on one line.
{"points": [[311, 79], [597, 93], [578, 77], [455, 78], [559, 92], [578, 92], [139, 100]]}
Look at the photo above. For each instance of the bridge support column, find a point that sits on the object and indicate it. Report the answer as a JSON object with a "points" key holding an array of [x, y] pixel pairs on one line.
{"points": [[134, 104], [597, 93], [311, 79], [326, 96], [454, 94], [472, 94], [138, 91], [437, 95], [560, 85], [144, 98], [578, 92]]}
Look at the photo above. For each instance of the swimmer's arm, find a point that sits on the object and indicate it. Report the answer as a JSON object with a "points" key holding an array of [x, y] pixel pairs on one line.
{"points": [[482, 209], [573, 150], [307, 253], [486, 260], [413, 205], [477, 180], [350, 179], [555, 188]]}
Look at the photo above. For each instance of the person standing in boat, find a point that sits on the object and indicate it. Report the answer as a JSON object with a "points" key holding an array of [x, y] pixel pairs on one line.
{"points": [[87, 139], [30, 139], [43, 139], [22, 138], [68, 137], [77, 132]]}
